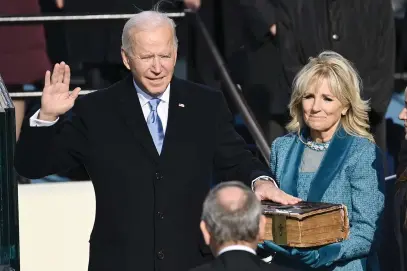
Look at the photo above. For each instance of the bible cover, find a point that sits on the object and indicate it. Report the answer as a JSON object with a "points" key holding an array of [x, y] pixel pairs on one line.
{"points": [[305, 224]]}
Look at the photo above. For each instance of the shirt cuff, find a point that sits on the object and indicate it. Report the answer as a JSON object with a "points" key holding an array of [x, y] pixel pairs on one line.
{"points": [[263, 178], [35, 122]]}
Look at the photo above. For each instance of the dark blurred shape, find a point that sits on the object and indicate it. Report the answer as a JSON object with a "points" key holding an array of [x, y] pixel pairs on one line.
{"points": [[9, 233]]}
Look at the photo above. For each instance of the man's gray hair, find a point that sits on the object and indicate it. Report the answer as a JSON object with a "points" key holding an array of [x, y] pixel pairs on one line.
{"points": [[232, 222], [146, 20]]}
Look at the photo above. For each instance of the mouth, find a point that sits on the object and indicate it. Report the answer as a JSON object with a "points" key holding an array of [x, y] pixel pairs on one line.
{"points": [[155, 79]]}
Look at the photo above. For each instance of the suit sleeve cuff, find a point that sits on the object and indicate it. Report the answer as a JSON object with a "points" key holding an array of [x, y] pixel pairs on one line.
{"points": [[35, 122], [266, 178]]}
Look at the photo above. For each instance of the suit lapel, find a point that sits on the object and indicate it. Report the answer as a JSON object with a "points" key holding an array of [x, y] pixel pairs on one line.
{"points": [[289, 176], [177, 124], [331, 165], [130, 109]]}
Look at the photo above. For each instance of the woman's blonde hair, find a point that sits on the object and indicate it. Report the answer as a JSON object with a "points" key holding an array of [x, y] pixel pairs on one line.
{"points": [[345, 85]]}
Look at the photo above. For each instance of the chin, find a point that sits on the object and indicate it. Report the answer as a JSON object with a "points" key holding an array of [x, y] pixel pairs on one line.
{"points": [[156, 89], [316, 127]]}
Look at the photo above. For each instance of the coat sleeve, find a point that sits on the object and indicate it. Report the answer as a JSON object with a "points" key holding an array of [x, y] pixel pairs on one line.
{"points": [[367, 193], [378, 79], [232, 159], [273, 159], [43, 151], [292, 54]]}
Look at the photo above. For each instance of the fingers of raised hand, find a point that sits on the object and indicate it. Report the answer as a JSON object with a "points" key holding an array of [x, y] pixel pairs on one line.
{"points": [[67, 75], [61, 72], [74, 94], [54, 75], [58, 74], [47, 79]]}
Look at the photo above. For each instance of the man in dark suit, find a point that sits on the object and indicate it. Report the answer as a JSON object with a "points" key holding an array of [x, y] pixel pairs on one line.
{"points": [[232, 225], [151, 145]]}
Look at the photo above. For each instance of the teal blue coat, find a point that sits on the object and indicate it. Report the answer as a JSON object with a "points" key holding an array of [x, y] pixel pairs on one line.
{"points": [[351, 173]]}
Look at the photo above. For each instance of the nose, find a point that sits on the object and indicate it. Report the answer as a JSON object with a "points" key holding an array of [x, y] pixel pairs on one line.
{"points": [[156, 65], [403, 114], [316, 105]]}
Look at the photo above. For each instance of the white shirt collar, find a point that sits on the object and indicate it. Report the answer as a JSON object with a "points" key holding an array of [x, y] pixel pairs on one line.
{"points": [[145, 98], [237, 247]]}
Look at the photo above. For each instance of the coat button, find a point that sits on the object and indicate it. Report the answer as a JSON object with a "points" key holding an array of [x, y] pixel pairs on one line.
{"points": [[335, 37], [160, 215], [158, 176], [160, 255]]}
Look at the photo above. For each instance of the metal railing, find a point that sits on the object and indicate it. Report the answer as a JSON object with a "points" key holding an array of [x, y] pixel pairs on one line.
{"points": [[87, 17]]}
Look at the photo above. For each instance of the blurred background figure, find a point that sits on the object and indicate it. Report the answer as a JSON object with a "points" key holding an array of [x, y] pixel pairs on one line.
{"points": [[23, 56], [395, 248], [245, 32]]}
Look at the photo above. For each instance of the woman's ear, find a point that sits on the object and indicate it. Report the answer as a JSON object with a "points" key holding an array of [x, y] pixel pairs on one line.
{"points": [[344, 111]]}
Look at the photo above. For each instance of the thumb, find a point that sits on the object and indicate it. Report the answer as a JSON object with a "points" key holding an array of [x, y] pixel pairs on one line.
{"points": [[75, 93], [60, 4]]}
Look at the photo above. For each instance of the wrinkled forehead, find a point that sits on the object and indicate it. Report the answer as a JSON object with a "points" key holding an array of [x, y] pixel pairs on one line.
{"points": [[155, 41], [162, 33]]}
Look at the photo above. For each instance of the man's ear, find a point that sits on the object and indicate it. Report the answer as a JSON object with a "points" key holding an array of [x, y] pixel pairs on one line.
{"points": [[205, 233], [126, 60], [262, 227]]}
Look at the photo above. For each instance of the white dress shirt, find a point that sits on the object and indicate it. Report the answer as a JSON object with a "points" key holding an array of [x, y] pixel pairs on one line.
{"points": [[162, 109], [144, 98], [237, 247]]}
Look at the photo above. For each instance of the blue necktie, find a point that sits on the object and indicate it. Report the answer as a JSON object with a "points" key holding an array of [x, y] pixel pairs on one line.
{"points": [[154, 125]]}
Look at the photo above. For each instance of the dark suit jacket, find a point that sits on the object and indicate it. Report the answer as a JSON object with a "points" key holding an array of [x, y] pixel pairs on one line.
{"points": [[394, 248], [235, 260], [148, 206]]}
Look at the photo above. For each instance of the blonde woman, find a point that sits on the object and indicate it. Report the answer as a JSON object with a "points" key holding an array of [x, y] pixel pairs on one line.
{"points": [[330, 156]]}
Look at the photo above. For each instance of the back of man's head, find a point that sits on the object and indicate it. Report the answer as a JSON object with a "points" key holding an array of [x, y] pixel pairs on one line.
{"points": [[231, 215]]}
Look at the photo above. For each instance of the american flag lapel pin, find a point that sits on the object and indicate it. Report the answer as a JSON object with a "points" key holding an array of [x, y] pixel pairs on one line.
{"points": [[181, 105]]}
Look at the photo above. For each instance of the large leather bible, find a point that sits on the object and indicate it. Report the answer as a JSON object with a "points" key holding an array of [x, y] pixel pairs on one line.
{"points": [[305, 224]]}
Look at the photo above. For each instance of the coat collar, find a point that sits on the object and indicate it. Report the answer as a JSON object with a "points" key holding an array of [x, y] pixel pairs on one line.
{"points": [[332, 163], [131, 112]]}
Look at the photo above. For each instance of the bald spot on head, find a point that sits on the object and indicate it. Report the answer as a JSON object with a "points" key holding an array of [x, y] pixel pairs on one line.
{"points": [[231, 198]]}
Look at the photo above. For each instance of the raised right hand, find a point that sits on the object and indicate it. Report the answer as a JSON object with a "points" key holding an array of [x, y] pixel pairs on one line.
{"points": [[56, 97]]}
